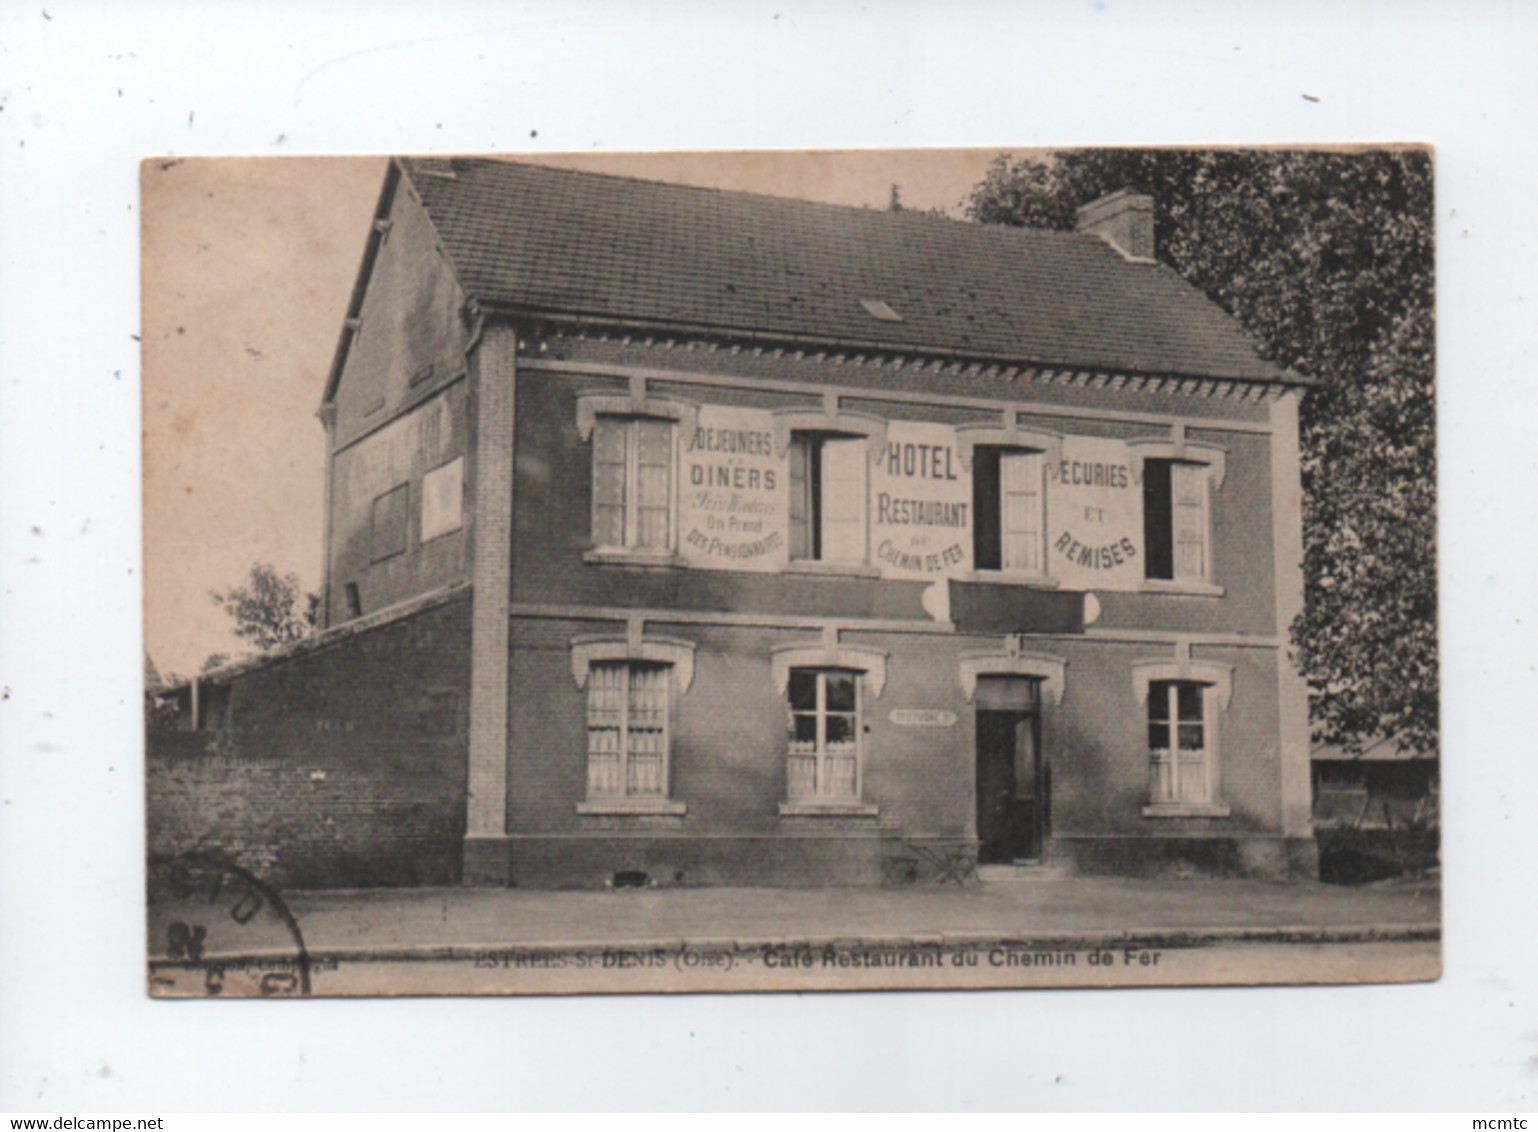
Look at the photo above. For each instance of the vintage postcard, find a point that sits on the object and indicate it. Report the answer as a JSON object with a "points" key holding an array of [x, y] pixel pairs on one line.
{"points": [[790, 571]]}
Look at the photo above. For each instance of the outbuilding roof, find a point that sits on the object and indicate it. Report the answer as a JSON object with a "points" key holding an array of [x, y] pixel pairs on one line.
{"points": [[554, 241], [1384, 748]]}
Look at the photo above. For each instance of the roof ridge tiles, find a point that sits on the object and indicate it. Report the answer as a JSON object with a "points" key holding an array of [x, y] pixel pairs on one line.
{"points": [[604, 246], [905, 215]]}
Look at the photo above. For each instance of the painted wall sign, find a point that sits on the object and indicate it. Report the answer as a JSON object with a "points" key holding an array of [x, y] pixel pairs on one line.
{"points": [[922, 717], [921, 504], [731, 489], [391, 455], [1094, 516], [734, 504]]}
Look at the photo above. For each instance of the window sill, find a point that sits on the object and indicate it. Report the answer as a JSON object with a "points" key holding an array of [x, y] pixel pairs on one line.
{"points": [[631, 806], [657, 558], [849, 569], [1185, 810], [454, 530], [1010, 578], [1187, 588], [806, 808]]}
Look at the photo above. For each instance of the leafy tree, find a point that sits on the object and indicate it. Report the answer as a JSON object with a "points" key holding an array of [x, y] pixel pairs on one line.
{"points": [[270, 610], [1326, 257]]}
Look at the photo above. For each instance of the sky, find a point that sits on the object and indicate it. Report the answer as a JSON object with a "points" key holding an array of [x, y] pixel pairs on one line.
{"points": [[248, 264]]}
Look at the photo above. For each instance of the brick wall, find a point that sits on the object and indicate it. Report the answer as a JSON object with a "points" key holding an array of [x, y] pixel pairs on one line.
{"points": [[309, 823], [340, 768], [398, 456]]}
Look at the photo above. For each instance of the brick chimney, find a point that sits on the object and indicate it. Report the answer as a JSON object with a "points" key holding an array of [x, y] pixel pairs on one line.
{"points": [[1125, 220]]}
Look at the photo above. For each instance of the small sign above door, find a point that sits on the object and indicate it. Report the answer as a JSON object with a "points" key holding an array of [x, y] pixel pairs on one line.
{"points": [[922, 717]]}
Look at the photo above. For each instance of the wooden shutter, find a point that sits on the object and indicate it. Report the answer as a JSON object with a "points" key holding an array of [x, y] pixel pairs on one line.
{"points": [[1188, 488], [653, 482], [1020, 510], [609, 437], [843, 500]]}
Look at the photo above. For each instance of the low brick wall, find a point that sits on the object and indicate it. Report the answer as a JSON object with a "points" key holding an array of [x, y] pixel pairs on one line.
{"points": [[338, 768], [307, 823]]}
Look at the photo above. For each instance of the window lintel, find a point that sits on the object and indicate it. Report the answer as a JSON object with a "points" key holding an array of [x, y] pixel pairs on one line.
{"points": [[970, 437], [1050, 670], [793, 420], [859, 658], [1182, 451], [1218, 676], [591, 406]]}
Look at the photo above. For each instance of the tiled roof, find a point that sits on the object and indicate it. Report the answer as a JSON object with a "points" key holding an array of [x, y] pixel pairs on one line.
{"points": [[604, 247]]}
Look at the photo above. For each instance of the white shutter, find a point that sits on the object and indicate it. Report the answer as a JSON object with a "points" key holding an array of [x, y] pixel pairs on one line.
{"points": [[443, 499], [1020, 511], [1188, 487], [843, 500]]}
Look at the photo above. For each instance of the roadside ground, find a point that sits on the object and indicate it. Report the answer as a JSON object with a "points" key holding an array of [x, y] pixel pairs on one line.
{"points": [[1046, 907]]}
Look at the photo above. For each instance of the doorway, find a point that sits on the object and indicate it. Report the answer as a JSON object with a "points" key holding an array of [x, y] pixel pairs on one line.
{"points": [[1012, 782]]}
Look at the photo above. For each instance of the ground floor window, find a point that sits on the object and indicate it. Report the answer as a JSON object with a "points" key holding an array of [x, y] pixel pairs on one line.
{"points": [[627, 730], [1179, 742], [824, 755]]}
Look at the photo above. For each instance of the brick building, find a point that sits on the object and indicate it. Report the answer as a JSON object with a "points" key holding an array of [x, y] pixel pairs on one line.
{"points": [[700, 537]]}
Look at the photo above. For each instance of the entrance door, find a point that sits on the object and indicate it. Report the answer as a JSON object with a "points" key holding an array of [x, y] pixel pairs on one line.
{"points": [[1011, 774]]}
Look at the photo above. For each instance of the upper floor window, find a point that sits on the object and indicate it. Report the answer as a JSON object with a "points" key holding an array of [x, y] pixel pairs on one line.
{"points": [[828, 497], [824, 756], [627, 731], [389, 522], [632, 483], [1180, 743], [1009, 515], [1175, 521]]}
